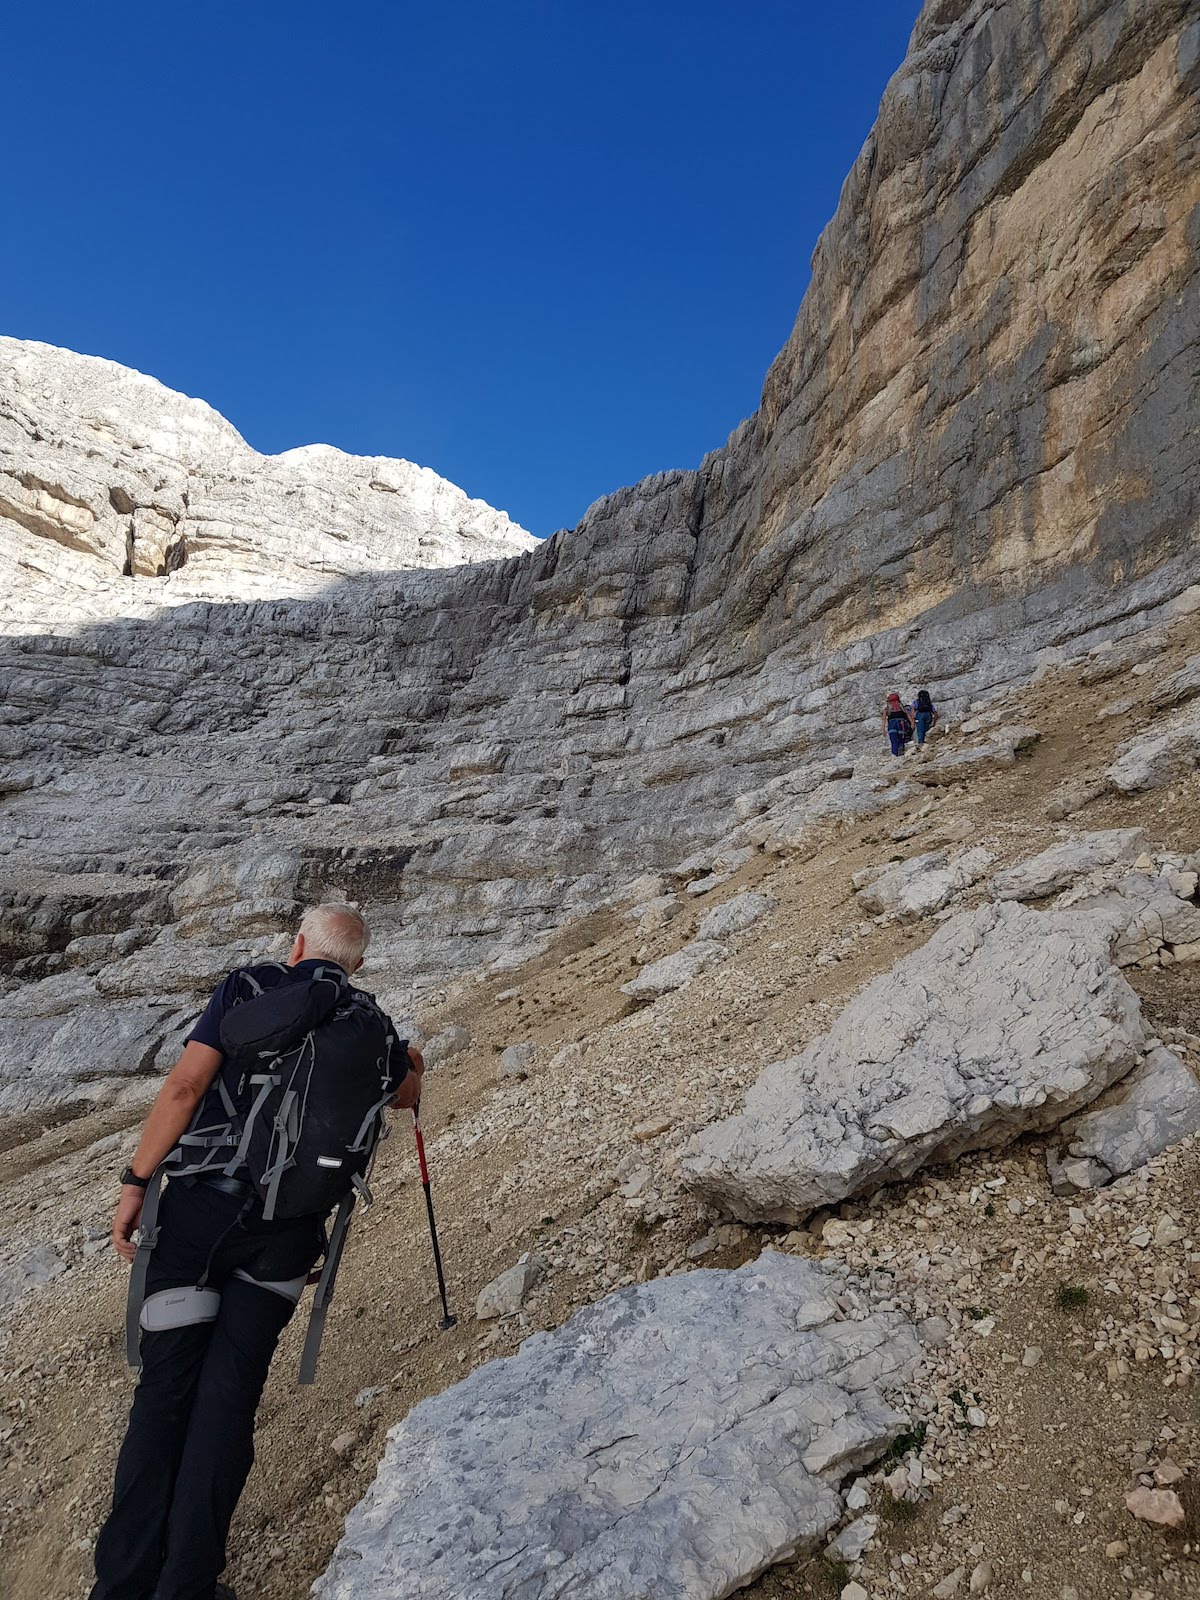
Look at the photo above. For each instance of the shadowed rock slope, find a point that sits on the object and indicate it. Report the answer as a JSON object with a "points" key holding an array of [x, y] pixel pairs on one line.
{"points": [[972, 459]]}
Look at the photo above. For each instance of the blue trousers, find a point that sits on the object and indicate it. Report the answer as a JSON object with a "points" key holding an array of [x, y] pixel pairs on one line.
{"points": [[924, 721]]}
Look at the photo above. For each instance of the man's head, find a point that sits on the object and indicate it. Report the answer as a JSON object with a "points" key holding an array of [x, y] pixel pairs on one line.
{"points": [[893, 700], [334, 932]]}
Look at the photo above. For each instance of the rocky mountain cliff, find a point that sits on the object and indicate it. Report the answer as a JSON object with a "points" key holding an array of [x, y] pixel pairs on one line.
{"points": [[971, 461], [106, 474]]}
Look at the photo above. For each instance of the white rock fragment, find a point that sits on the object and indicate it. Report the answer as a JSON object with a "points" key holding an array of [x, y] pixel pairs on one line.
{"points": [[735, 915], [1156, 1106], [505, 1295], [1062, 864], [1162, 1507], [922, 885], [854, 1538], [673, 971]]}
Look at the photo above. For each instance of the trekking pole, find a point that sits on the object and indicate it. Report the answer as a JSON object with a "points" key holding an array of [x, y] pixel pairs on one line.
{"points": [[447, 1321]]}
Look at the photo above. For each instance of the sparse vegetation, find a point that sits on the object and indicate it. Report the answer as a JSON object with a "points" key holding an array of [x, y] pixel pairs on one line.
{"points": [[898, 1512], [834, 1573], [1071, 1297], [910, 1439]]}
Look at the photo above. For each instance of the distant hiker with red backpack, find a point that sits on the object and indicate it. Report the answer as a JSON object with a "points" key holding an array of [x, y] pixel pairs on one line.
{"points": [[268, 1121], [897, 724]]}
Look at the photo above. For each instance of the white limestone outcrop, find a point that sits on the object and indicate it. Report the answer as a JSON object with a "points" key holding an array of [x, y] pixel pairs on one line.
{"points": [[672, 1440], [1006, 1022]]}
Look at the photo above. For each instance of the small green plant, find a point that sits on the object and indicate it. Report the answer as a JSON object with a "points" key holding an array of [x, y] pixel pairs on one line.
{"points": [[977, 1313], [910, 1439], [898, 1512], [547, 1221], [834, 1573], [989, 1210], [640, 1226], [1071, 1297]]}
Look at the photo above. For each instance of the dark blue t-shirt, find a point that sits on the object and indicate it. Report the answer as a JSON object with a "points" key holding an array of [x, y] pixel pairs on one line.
{"points": [[241, 985]]}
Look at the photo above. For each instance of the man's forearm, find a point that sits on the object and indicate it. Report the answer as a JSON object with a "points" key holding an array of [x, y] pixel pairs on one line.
{"points": [[169, 1117], [183, 1089]]}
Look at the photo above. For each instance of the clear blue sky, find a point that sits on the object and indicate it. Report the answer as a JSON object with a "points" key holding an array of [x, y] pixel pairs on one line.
{"points": [[543, 246]]}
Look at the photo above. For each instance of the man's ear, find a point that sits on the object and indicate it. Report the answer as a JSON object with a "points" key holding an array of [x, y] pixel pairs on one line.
{"points": [[297, 951], [357, 964]]}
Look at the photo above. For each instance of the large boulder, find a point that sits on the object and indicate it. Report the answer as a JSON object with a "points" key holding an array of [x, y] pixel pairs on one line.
{"points": [[1152, 760], [735, 916], [922, 885], [1144, 915], [1005, 1022], [672, 1441], [1062, 864], [673, 971], [1155, 1107]]}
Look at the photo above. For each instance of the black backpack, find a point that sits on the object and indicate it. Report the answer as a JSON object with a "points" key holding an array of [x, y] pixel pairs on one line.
{"points": [[303, 1088], [307, 1067], [924, 703]]}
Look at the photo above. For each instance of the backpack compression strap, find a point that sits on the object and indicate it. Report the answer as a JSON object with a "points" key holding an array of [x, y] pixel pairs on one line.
{"points": [[324, 1294], [147, 1239]]}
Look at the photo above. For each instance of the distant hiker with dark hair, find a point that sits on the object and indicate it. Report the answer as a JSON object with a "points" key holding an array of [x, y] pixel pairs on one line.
{"points": [[268, 1121], [897, 724], [925, 715]]}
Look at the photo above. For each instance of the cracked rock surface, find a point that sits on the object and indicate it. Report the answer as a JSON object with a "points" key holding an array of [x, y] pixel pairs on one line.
{"points": [[1005, 1022], [672, 1440]]}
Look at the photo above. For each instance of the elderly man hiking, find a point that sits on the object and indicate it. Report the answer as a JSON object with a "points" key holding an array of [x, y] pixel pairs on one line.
{"points": [[267, 1122]]}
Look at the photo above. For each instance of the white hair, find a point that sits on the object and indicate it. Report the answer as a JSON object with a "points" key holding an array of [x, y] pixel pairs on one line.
{"points": [[335, 932]]}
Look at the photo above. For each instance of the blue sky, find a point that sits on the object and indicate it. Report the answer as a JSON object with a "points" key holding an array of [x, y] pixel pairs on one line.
{"points": [[543, 246]]}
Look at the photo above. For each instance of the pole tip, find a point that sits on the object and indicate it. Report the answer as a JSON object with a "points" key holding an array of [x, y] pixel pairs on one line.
{"points": [[448, 1321]]}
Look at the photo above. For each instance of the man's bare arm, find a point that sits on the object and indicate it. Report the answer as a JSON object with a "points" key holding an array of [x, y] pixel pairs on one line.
{"points": [[409, 1092], [188, 1081]]}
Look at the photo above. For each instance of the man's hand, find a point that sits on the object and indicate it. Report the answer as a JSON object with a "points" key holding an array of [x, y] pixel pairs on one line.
{"points": [[129, 1214], [409, 1092]]}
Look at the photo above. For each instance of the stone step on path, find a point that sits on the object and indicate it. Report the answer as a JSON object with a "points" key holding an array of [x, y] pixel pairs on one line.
{"points": [[674, 1439]]}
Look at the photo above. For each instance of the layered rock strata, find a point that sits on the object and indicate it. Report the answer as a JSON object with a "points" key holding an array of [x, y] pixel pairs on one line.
{"points": [[973, 459]]}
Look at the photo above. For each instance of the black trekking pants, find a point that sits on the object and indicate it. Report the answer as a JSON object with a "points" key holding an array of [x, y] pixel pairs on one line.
{"points": [[190, 1443]]}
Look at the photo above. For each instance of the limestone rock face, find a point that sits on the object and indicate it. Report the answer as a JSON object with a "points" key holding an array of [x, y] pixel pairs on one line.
{"points": [[672, 1440], [1005, 1022], [969, 464], [1062, 864], [105, 473]]}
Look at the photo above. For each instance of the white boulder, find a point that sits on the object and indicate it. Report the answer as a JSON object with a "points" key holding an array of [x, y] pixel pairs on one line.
{"points": [[1156, 1106], [922, 885], [1005, 1022], [1062, 864], [673, 1440], [735, 915], [1152, 760], [673, 971], [505, 1295]]}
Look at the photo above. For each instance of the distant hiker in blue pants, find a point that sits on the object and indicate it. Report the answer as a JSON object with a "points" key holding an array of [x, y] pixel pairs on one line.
{"points": [[924, 715], [897, 724]]}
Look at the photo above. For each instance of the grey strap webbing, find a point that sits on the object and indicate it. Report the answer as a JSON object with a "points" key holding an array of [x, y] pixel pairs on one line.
{"points": [[324, 1294], [147, 1239], [266, 1082], [285, 1138]]}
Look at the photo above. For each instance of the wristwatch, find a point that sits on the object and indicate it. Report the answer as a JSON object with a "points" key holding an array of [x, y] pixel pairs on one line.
{"points": [[130, 1176]]}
